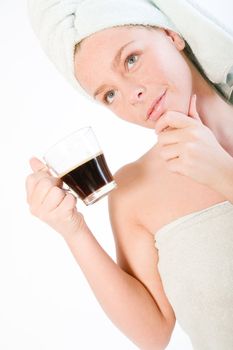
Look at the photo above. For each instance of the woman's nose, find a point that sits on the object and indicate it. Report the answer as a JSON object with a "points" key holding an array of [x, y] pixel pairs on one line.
{"points": [[137, 95]]}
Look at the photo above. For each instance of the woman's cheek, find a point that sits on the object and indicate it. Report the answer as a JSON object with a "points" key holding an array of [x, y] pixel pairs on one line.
{"points": [[153, 71]]}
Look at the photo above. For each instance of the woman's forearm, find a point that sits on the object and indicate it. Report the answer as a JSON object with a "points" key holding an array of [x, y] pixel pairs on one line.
{"points": [[224, 180], [123, 298]]}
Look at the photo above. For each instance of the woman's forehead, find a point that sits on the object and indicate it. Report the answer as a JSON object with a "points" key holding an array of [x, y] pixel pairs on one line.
{"points": [[97, 52], [109, 37]]}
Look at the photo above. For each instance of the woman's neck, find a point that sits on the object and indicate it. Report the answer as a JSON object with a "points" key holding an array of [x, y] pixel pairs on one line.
{"points": [[214, 112]]}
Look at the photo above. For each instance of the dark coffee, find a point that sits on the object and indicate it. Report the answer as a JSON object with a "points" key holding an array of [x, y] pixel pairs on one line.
{"points": [[89, 176]]}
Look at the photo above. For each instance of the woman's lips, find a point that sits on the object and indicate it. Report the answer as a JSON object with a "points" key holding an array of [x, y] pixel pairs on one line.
{"points": [[157, 109]]}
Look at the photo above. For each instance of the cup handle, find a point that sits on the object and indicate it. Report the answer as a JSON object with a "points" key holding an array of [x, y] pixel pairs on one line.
{"points": [[67, 189]]}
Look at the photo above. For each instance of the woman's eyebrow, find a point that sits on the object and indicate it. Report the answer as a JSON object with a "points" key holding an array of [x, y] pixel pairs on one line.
{"points": [[115, 62]]}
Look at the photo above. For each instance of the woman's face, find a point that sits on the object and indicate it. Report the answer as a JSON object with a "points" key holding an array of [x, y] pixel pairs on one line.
{"points": [[150, 63]]}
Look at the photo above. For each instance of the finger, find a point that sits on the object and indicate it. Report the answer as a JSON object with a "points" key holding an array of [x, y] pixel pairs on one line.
{"points": [[175, 166], [41, 189], [67, 209], [173, 119], [68, 204], [171, 137], [52, 200], [170, 152], [37, 165], [193, 108], [33, 180]]}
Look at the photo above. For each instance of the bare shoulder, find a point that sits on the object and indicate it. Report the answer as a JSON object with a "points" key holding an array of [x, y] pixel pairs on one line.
{"points": [[123, 201], [127, 178], [135, 247]]}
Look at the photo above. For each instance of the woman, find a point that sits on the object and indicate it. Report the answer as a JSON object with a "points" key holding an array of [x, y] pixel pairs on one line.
{"points": [[172, 214]]}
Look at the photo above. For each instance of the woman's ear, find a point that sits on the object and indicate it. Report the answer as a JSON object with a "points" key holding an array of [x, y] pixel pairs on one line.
{"points": [[177, 40]]}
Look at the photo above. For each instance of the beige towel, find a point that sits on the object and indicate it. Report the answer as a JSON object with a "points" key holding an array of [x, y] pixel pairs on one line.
{"points": [[196, 268]]}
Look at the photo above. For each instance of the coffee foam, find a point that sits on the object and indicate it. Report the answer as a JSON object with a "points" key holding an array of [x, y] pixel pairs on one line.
{"points": [[80, 163]]}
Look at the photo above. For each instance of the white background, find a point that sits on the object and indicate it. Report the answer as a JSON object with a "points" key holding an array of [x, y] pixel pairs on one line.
{"points": [[45, 301]]}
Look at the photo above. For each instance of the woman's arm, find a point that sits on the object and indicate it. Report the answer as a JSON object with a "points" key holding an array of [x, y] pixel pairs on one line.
{"points": [[224, 178], [124, 299]]}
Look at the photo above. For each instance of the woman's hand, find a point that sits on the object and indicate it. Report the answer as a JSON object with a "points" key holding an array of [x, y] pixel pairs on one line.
{"points": [[50, 203], [190, 148]]}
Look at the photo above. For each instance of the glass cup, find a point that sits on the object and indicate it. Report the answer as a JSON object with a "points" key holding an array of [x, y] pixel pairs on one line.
{"points": [[79, 162]]}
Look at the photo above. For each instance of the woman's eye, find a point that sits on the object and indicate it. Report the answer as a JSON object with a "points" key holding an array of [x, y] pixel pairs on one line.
{"points": [[131, 59], [108, 96]]}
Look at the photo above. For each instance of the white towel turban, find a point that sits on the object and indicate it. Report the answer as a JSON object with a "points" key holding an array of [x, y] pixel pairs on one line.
{"points": [[61, 24]]}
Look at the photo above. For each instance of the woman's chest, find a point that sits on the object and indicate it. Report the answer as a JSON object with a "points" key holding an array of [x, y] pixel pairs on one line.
{"points": [[170, 196]]}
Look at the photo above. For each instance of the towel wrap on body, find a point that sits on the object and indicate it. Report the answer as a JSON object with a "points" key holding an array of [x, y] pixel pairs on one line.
{"points": [[196, 268]]}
